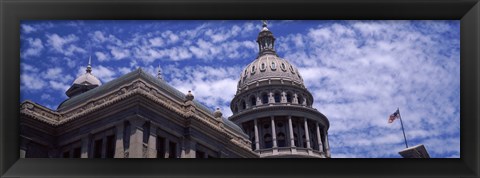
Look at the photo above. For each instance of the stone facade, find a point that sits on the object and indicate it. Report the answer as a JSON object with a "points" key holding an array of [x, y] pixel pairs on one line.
{"points": [[134, 116]]}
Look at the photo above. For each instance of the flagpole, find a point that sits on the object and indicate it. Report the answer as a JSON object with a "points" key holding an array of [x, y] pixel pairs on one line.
{"points": [[401, 122]]}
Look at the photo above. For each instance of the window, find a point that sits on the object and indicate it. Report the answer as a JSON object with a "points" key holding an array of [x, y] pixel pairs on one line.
{"points": [[281, 140], [277, 97], [253, 69], [110, 146], [279, 124], [66, 154], [262, 67], [300, 100], [291, 69], [97, 148], [268, 140], [273, 66], [199, 154], [266, 126], [283, 66], [77, 152], [172, 153], [160, 147], [264, 98], [253, 101], [244, 105], [289, 97]]}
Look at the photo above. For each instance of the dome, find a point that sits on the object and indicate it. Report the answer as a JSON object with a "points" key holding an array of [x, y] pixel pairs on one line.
{"points": [[269, 67], [84, 82], [87, 79]]}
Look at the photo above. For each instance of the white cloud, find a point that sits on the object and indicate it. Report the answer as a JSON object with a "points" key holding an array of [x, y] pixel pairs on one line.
{"points": [[102, 56], [105, 74], [359, 72], [58, 86], [28, 28], [119, 53], [64, 44], [156, 42], [31, 82], [35, 47]]}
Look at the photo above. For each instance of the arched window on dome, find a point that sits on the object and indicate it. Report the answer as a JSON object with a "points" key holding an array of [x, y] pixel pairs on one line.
{"points": [[284, 68], [277, 97], [289, 97], [281, 139], [253, 69], [253, 100], [267, 138], [291, 69], [264, 98], [273, 66], [263, 67], [300, 99], [244, 105]]}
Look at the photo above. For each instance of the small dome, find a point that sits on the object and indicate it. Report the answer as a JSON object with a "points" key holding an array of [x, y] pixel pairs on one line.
{"points": [[87, 79], [217, 113], [269, 66]]}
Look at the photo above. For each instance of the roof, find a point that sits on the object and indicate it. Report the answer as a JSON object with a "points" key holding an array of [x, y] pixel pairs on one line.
{"points": [[87, 79], [139, 73]]}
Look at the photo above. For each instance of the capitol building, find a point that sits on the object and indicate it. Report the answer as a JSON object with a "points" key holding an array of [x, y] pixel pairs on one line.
{"points": [[139, 115]]}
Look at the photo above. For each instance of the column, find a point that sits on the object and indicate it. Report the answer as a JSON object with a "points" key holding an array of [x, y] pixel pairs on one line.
{"points": [[259, 101], [23, 146], [290, 130], [319, 138], [85, 146], [152, 142], [327, 146], [270, 98], [295, 98], [136, 138], [257, 143], [274, 134], [191, 148], [119, 150], [307, 136]]}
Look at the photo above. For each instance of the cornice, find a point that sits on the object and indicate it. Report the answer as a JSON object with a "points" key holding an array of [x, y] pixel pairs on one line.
{"points": [[136, 87]]}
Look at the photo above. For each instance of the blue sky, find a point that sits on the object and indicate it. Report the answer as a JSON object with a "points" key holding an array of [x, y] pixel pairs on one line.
{"points": [[359, 72]]}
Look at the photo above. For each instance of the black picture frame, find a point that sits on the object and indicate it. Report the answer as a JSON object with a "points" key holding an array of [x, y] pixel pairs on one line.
{"points": [[13, 11]]}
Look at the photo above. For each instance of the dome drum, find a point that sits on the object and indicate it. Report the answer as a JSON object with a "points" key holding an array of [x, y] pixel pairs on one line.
{"points": [[281, 136], [271, 95]]}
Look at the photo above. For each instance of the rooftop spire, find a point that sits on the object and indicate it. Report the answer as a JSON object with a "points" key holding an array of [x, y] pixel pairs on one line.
{"points": [[264, 25], [159, 73], [89, 66]]}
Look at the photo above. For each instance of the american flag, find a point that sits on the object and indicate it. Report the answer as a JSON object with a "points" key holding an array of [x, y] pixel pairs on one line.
{"points": [[394, 116]]}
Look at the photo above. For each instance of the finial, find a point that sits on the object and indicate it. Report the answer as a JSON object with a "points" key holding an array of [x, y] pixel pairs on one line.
{"points": [[89, 66], [217, 113], [264, 25], [189, 96], [159, 73]]}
